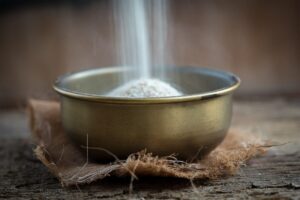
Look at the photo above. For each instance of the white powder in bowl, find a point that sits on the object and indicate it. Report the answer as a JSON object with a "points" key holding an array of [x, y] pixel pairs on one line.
{"points": [[143, 88]]}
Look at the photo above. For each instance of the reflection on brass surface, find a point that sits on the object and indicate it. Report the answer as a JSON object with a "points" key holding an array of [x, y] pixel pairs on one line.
{"points": [[187, 125]]}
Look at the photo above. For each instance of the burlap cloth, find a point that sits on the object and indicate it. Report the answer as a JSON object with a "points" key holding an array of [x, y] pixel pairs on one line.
{"points": [[72, 167]]}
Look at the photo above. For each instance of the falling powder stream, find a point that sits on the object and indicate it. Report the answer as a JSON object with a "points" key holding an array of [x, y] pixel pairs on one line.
{"points": [[133, 36], [132, 28]]}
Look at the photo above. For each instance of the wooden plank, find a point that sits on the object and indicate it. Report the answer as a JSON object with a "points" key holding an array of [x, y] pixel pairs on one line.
{"points": [[275, 175]]}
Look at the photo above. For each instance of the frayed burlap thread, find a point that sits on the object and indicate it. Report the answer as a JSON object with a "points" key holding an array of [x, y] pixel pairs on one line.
{"points": [[72, 167]]}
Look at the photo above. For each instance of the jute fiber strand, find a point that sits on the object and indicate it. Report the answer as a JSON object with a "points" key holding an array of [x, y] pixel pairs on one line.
{"points": [[72, 166]]}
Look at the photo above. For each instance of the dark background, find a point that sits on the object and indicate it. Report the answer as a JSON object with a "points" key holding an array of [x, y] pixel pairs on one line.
{"points": [[257, 40]]}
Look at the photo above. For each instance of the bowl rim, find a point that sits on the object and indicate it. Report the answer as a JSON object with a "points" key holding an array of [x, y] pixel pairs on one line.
{"points": [[57, 86]]}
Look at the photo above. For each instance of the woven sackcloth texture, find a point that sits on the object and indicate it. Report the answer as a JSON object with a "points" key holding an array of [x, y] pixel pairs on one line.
{"points": [[71, 166]]}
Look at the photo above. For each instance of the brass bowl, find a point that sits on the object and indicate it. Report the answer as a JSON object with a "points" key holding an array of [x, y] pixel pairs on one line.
{"points": [[189, 126]]}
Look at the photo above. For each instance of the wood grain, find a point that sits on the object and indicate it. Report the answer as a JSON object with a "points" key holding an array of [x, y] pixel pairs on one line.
{"points": [[273, 176]]}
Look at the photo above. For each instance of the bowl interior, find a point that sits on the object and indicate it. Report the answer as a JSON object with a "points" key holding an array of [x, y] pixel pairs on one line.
{"points": [[188, 80]]}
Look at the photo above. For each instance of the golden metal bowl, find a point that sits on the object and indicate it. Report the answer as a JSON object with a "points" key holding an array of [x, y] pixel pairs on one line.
{"points": [[189, 126]]}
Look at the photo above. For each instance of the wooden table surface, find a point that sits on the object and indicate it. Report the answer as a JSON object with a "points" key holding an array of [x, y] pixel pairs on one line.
{"points": [[273, 176]]}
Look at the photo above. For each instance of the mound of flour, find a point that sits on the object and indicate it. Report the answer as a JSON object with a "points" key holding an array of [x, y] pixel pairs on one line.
{"points": [[143, 88]]}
